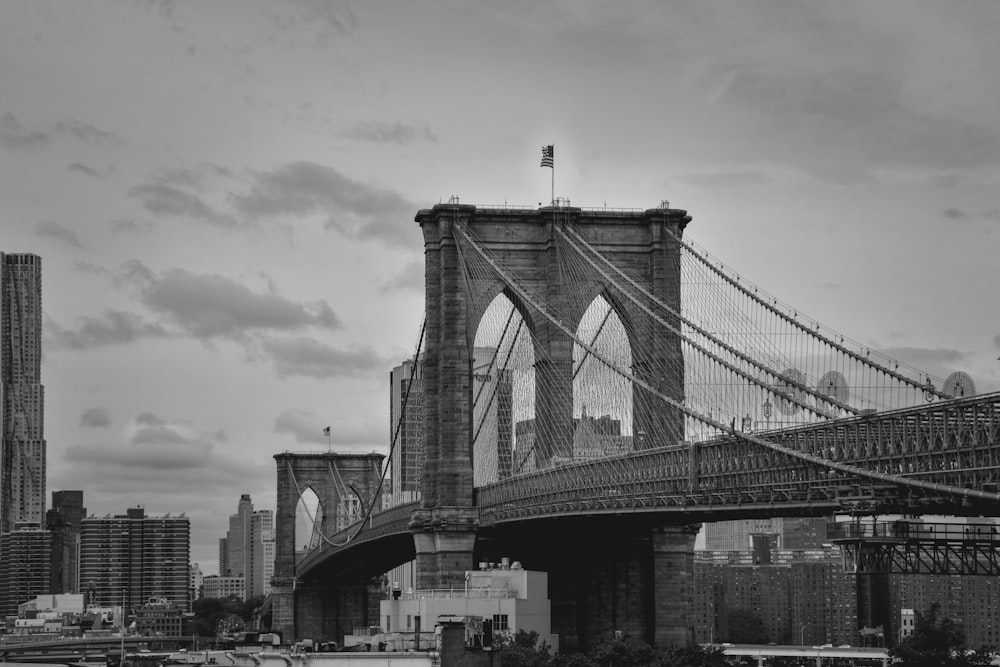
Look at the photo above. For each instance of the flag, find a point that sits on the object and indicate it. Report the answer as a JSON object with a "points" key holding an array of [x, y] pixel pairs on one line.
{"points": [[548, 156], [326, 431]]}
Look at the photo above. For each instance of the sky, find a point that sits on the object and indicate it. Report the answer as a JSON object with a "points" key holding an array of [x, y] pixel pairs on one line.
{"points": [[223, 195]]}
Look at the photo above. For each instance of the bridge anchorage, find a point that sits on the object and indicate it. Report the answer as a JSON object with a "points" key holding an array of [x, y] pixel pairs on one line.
{"points": [[589, 388]]}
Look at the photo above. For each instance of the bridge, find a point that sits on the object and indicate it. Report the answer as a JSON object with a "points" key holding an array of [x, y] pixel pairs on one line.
{"points": [[715, 401]]}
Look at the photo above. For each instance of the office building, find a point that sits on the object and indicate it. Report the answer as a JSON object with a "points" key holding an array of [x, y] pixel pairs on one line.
{"points": [[222, 587], [25, 566], [133, 557], [406, 431], [249, 548], [196, 581], [63, 522], [22, 451]]}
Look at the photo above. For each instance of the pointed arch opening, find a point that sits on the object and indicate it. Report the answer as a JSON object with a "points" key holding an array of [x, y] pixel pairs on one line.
{"points": [[602, 397], [308, 520], [503, 391]]}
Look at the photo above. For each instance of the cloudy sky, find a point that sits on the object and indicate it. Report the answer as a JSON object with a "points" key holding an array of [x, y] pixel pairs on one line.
{"points": [[223, 194]]}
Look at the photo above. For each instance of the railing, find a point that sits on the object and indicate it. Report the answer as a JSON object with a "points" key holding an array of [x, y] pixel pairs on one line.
{"points": [[460, 593], [913, 530]]}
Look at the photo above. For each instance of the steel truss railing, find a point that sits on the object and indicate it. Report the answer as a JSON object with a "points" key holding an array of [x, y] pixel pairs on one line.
{"points": [[953, 442]]}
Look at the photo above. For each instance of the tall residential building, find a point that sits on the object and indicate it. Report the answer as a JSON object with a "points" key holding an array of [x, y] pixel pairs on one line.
{"points": [[493, 415], [406, 430], [25, 566], [249, 547], [22, 423], [135, 557], [63, 521]]}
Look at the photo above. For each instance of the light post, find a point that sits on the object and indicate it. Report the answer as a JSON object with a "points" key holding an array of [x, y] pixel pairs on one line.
{"points": [[767, 413], [802, 635]]}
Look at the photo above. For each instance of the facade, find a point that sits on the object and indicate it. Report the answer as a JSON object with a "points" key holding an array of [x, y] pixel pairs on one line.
{"points": [[800, 597], [791, 533], [493, 415], [22, 418], [406, 430], [158, 618], [249, 548], [593, 437], [25, 566], [63, 521], [196, 581], [220, 587], [134, 557]]}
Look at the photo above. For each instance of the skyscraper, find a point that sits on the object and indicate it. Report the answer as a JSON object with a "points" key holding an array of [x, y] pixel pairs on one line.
{"points": [[22, 454], [63, 521], [406, 430], [249, 547]]}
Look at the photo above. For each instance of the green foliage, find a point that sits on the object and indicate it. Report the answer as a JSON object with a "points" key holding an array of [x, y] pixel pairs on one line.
{"points": [[746, 627], [524, 650], [209, 611], [936, 642]]}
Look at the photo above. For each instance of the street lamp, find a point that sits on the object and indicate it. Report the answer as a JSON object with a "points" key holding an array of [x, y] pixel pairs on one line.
{"points": [[802, 635], [767, 412]]}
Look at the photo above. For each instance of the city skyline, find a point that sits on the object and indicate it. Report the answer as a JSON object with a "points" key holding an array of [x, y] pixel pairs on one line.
{"points": [[223, 196]]}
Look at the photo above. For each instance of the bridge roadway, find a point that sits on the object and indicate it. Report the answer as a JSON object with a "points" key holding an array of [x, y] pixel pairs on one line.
{"points": [[952, 443]]}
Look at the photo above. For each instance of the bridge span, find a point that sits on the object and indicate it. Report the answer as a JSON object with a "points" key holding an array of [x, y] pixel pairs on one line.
{"points": [[612, 515]]}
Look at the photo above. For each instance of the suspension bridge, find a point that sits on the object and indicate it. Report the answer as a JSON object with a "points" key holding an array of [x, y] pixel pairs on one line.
{"points": [[589, 387]]}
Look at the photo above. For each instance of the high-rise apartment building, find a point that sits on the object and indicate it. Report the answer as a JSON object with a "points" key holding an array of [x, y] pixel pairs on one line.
{"points": [[249, 547], [63, 521], [22, 423], [135, 557], [791, 533], [25, 566]]}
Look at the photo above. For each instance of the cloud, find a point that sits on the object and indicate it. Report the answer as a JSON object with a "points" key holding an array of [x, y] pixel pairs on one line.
{"points": [[210, 305], [14, 136], [86, 132], [166, 199], [83, 169], [312, 358], [996, 341], [55, 230], [955, 214], [390, 133], [150, 443], [113, 327], [731, 179], [409, 279], [307, 428], [95, 418], [305, 189]]}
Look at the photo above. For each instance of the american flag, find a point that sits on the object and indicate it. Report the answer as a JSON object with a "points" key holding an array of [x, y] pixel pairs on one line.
{"points": [[548, 156]]}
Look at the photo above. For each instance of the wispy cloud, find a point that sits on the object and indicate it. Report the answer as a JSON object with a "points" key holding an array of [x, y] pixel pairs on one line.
{"points": [[209, 306], [54, 230], [16, 135], [313, 358], [390, 133], [307, 189], [95, 418], [113, 327], [409, 279], [81, 168]]}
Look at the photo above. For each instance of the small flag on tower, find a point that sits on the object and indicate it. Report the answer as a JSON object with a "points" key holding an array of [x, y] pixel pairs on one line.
{"points": [[548, 156], [326, 431]]}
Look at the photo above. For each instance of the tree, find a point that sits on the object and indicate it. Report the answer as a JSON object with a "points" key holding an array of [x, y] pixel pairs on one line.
{"points": [[936, 642], [523, 649], [746, 627]]}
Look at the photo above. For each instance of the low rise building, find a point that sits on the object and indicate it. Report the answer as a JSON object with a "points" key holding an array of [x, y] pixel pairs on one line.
{"points": [[506, 599]]}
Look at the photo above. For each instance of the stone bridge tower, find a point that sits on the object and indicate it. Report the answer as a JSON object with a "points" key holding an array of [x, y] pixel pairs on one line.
{"points": [[643, 243], [345, 486]]}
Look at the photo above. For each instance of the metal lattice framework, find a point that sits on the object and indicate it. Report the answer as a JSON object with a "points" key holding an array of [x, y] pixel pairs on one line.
{"points": [[851, 429]]}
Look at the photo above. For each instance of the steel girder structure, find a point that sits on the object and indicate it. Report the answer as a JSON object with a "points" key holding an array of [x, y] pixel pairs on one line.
{"points": [[903, 547]]}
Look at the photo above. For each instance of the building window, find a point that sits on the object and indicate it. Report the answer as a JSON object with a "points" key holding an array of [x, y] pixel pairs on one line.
{"points": [[500, 623]]}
